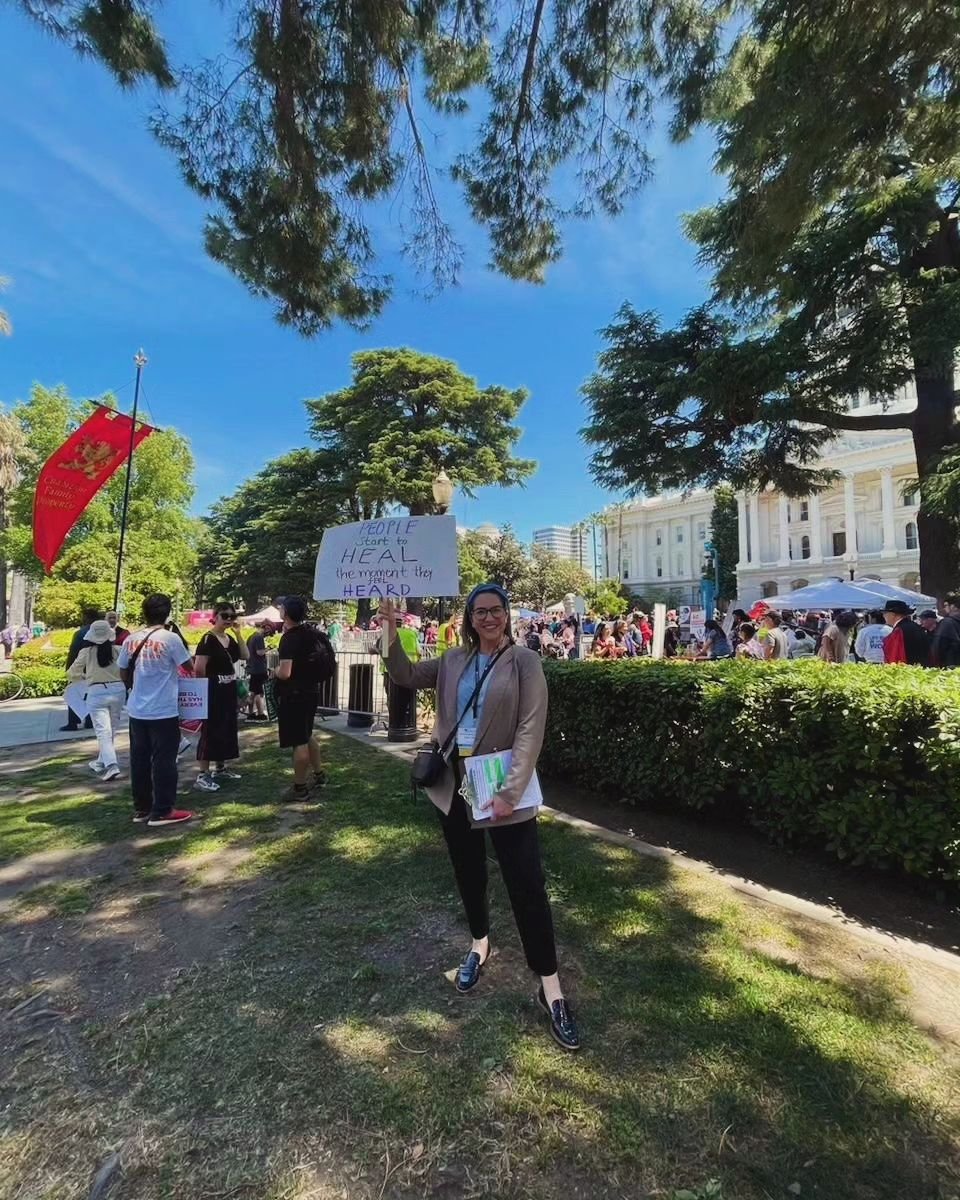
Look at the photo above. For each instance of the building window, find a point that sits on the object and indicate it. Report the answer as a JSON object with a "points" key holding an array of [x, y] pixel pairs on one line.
{"points": [[789, 547], [659, 568], [797, 584], [679, 565], [659, 537], [839, 543], [769, 588], [679, 536], [855, 400], [626, 569], [804, 547], [804, 510], [702, 531], [913, 542], [910, 498]]}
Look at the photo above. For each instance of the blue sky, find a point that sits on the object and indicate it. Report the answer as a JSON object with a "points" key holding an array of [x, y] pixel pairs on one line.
{"points": [[104, 246]]}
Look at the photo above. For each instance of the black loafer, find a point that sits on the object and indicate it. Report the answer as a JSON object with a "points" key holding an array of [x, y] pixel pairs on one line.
{"points": [[469, 973], [563, 1025]]}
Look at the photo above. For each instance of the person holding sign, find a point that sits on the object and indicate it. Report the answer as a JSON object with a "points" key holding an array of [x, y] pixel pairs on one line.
{"points": [[95, 667], [491, 698]]}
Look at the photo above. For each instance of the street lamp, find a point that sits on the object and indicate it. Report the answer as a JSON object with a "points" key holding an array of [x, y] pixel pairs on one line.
{"points": [[442, 491]]}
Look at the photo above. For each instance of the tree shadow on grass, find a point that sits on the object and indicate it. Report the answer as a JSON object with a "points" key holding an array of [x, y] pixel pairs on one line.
{"points": [[704, 1057]]}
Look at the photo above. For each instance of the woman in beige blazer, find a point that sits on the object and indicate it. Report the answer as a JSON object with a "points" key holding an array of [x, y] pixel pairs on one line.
{"points": [[508, 713]]}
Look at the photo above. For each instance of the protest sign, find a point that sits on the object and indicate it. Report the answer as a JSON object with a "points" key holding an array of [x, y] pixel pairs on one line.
{"points": [[392, 557], [76, 698], [698, 618], [192, 699]]}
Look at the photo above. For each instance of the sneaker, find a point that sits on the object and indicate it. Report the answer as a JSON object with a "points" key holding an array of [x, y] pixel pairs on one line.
{"points": [[176, 816], [226, 773], [69, 728], [298, 794], [563, 1025], [319, 779], [140, 818], [96, 766], [205, 783], [183, 747], [111, 772]]}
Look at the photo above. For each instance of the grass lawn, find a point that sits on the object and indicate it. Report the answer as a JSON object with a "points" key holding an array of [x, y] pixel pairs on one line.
{"points": [[260, 1007]]}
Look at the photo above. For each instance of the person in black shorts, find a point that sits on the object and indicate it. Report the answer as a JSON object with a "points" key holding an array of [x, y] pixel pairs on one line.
{"points": [[257, 671], [297, 684]]}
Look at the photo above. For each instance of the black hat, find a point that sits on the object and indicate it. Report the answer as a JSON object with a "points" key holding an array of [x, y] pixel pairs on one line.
{"points": [[900, 607], [928, 613]]}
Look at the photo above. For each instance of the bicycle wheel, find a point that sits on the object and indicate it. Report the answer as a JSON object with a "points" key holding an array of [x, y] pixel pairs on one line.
{"points": [[11, 687]]}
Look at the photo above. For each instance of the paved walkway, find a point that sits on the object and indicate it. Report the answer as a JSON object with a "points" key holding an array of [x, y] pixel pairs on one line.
{"points": [[27, 722]]}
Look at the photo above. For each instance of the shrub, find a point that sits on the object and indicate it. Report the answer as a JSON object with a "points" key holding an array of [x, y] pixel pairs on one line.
{"points": [[34, 654], [37, 682], [863, 761]]}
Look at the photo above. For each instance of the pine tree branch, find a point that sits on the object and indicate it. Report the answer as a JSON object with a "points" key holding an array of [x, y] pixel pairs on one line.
{"points": [[838, 420], [526, 81]]}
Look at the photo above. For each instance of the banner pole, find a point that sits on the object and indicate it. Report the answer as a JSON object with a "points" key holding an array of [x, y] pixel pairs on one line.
{"points": [[140, 361]]}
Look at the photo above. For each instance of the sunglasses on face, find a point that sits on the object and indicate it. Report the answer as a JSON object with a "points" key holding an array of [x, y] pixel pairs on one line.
{"points": [[481, 614], [227, 616]]}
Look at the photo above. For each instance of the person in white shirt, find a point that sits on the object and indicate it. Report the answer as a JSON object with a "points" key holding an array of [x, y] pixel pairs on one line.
{"points": [[869, 644], [151, 660]]}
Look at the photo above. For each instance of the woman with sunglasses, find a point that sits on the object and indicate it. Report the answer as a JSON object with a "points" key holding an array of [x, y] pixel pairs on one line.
{"points": [[215, 661], [499, 691]]}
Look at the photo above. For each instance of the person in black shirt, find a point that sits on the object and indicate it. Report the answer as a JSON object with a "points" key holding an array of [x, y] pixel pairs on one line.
{"points": [[216, 657], [297, 695], [257, 671], [77, 643]]}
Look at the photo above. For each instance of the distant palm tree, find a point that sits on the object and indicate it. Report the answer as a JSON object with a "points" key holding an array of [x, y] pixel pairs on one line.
{"points": [[5, 326]]}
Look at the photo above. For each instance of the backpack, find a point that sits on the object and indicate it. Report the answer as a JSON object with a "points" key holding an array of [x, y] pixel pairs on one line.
{"points": [[533, 641], [320, 664]]}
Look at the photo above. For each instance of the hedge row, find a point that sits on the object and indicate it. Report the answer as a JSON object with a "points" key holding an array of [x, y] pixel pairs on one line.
{"points": [[864, 761], [37, 682], [33, 654]]}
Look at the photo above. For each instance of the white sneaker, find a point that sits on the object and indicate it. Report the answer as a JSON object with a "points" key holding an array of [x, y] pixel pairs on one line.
{"points": [[205, 783], [226, 773], [96, 766], [111, 772], [183, 747]]}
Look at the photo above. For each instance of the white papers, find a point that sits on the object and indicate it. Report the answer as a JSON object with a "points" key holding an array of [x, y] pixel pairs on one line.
{"points": [[192, 699], [76, 697], [394, 557], [485, 775]]}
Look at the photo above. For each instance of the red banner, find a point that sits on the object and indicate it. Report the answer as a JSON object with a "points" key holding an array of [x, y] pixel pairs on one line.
{"points": [[73, 475]]}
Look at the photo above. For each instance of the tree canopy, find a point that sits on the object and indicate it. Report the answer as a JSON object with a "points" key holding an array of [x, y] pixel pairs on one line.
{"points": [[159, 550], [313, 111], [836, 260], [406, 415]]}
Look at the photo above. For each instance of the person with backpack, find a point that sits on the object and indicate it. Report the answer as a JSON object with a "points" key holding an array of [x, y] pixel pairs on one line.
{"points": [[306, 660], [150, 661], [217, 655]]}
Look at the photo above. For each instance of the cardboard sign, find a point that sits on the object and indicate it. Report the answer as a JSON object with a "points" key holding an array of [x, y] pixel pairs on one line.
{"points": [[394, 557], [192, 699]]}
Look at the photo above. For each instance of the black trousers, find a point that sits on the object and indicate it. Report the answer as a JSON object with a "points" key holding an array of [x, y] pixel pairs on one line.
{"points": [[518, 851], [153, 765]]}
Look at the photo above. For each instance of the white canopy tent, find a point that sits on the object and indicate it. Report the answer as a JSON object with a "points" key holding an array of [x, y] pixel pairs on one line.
{"points": [[893, 592], [830, 593], [270, 613]]}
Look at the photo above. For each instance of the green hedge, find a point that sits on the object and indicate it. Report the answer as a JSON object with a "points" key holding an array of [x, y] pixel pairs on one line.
{"points": [[37, 682], [33, 654], [864, 761]]}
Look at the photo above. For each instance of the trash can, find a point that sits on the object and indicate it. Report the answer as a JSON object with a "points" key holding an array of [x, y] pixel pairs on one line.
{"points": [[360, 696]]}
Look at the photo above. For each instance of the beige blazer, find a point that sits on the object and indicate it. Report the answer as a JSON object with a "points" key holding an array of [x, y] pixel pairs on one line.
{"points": [[513, 716]]}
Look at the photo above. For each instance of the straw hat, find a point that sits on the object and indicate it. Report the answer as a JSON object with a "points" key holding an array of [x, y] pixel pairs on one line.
{"points": [[100, 632]]}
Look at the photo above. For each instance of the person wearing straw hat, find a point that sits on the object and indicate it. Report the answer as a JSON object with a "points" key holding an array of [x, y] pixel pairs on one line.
{"points": [[96, 668]]}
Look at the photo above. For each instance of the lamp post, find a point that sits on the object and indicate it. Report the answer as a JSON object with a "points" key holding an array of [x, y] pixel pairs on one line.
{"points": [[402, 702]]}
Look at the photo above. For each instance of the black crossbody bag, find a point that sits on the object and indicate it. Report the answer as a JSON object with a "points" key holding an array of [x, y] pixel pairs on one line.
{"points": [[429, 761]]}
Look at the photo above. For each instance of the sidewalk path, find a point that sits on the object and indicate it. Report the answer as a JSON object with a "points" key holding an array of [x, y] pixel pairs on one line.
{"points": [[27, 722]]}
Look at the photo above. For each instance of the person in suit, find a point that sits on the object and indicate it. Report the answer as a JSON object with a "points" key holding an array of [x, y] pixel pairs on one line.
{"points": [[906, 642], [499, 690]]}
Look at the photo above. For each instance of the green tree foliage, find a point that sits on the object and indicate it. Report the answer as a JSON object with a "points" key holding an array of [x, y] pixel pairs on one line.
{"points": [[494, 559], [6, 327], [551, 577], [725, 536], [159, 550], [262, 541], [606, 598], [406, 415], [838, 126], [312, 112]]}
